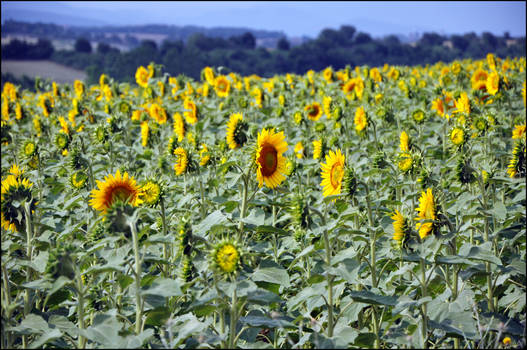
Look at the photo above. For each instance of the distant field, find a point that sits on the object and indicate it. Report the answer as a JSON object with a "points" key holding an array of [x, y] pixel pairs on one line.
{"points": [[45, 69]]}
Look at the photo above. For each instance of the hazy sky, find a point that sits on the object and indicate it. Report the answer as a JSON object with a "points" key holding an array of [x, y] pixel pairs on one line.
{"points": [[294, 18]]}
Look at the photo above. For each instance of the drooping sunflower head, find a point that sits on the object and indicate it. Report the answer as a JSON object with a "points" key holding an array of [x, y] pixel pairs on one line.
{"points": [[158, 113], [361, 119], [226, 257], [151, 192], [115, 187], [179, 126], [222, 86], [405, 162], [518, 132], [62, 140], [332, 173], [15, 189], [204, 155], [191, 114], [426, 213], [401, 228], [269, 159], [181, 160], [313, 111], [76, 160], [517, 167], [492, 83], [29, 148], [101, 134], [236, 131], [404, 142], [319, 148]]}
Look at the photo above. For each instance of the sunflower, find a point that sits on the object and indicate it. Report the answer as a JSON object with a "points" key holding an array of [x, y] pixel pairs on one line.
{"points": [[426, 211], [400, 227], [326, 102], [479, 80], [361, 120], [158, 113], [236, 129], [204, 155], [518, 132], [78, 86], [258, 96], [328, 74], [492, 83], [270, 162], [78, 179], [179, 126], [462, 104], [191, 111], [457, 136], [299, 150], [144, 133], [114, 188], [181, 160], [419, 115], [16, 171], [404, 142], [208, 74], [297, 117], [222, 86], [516, 167], [332, 173], [375, 75], [226, 257], [151, 192], [318, 149], [29, 148], [405, 162], [142, 76], [15, 188], [314, 111]]}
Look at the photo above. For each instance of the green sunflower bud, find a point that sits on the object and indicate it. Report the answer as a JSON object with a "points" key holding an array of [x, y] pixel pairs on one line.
{"points": [[349, 182]]}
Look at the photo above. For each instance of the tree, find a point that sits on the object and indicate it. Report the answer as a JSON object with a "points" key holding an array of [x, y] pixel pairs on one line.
{"points": [[431, 39], [346, 34], [83, 45], [244, 41], [459, 42], [362, 38], [283, 44]]}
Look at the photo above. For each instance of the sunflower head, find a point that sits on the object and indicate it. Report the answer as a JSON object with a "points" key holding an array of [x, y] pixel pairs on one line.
{"points": [[332, 173], [184, 232], [187, 269], [269, 160], [418, 116], [405, 162], [78, 179], [401, 228], [427, 214], [115, 187], [226, 257], [361, 120], [76, 160], [517, 167], [29, 148], [480, 124], [151, 192], [222, 86], [457, 137], [236, 131], [313, 111], [182, 160], [15, 189], [62, 141]]}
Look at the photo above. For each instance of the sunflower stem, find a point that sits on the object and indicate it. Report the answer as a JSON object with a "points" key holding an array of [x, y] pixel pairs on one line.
{"points": [[164, 228], [490, 297], [138, 306], [424, 324], [234, 317], [80, 309], [243, 208], [7, 293]]}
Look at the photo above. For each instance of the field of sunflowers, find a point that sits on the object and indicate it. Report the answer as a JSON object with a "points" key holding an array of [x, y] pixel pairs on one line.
{"points": [[366, 207]]}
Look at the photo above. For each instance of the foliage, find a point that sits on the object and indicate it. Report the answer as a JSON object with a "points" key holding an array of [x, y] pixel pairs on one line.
{"points": [[132, 220]]}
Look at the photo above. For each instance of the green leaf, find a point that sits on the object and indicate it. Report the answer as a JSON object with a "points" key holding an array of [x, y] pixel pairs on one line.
{"points": [[271, 229], [213, 219], [368, 297], [500, 211], [164, 287], [263, 297], [157, 317], [260, 321], [481, 252], [273, 274], [45, 337]]}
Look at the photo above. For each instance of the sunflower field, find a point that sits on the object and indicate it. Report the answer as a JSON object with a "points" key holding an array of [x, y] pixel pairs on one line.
{"points": [[366, 207]]}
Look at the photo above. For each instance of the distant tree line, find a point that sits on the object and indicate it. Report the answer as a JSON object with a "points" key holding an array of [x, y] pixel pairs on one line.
{"points": [[336, 48]]}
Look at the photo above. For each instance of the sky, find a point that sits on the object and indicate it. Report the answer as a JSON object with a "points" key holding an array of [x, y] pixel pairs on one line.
{"points": [[293, 18]]}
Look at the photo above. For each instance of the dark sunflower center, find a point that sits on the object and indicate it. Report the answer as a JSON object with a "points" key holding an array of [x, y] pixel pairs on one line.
{"points": [[268, 159], [313, 111]]}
